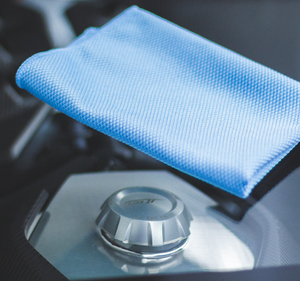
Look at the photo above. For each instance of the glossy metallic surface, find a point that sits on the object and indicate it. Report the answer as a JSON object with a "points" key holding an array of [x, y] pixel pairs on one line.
{"points": [[67, 234], [144, 221]]}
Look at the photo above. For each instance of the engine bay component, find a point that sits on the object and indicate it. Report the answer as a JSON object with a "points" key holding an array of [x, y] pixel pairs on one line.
{"points": [[144, 221], [145, 228]]}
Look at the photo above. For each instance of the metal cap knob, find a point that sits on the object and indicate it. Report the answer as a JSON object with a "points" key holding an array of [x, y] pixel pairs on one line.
{"points": [[144, 221]]}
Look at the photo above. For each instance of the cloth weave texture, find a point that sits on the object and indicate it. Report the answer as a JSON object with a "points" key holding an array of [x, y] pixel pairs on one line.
{"points": [[174, 95]]}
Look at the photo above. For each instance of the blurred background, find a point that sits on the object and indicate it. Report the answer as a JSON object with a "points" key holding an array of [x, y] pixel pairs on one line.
{"points": [[37, 141], [40, 147]]}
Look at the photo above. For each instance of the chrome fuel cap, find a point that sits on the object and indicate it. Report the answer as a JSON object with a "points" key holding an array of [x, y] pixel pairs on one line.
{"points": [[144, 221]]}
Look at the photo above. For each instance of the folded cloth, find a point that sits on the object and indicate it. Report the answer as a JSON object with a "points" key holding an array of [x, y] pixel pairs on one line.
{"points": [[174, 95]]}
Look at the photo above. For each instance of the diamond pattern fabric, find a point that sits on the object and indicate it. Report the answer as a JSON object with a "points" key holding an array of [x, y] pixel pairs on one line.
{"points": [[174, 95]]}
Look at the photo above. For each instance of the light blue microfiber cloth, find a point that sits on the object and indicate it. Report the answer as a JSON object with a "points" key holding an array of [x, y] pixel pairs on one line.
{"points": [[174, 95]]}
